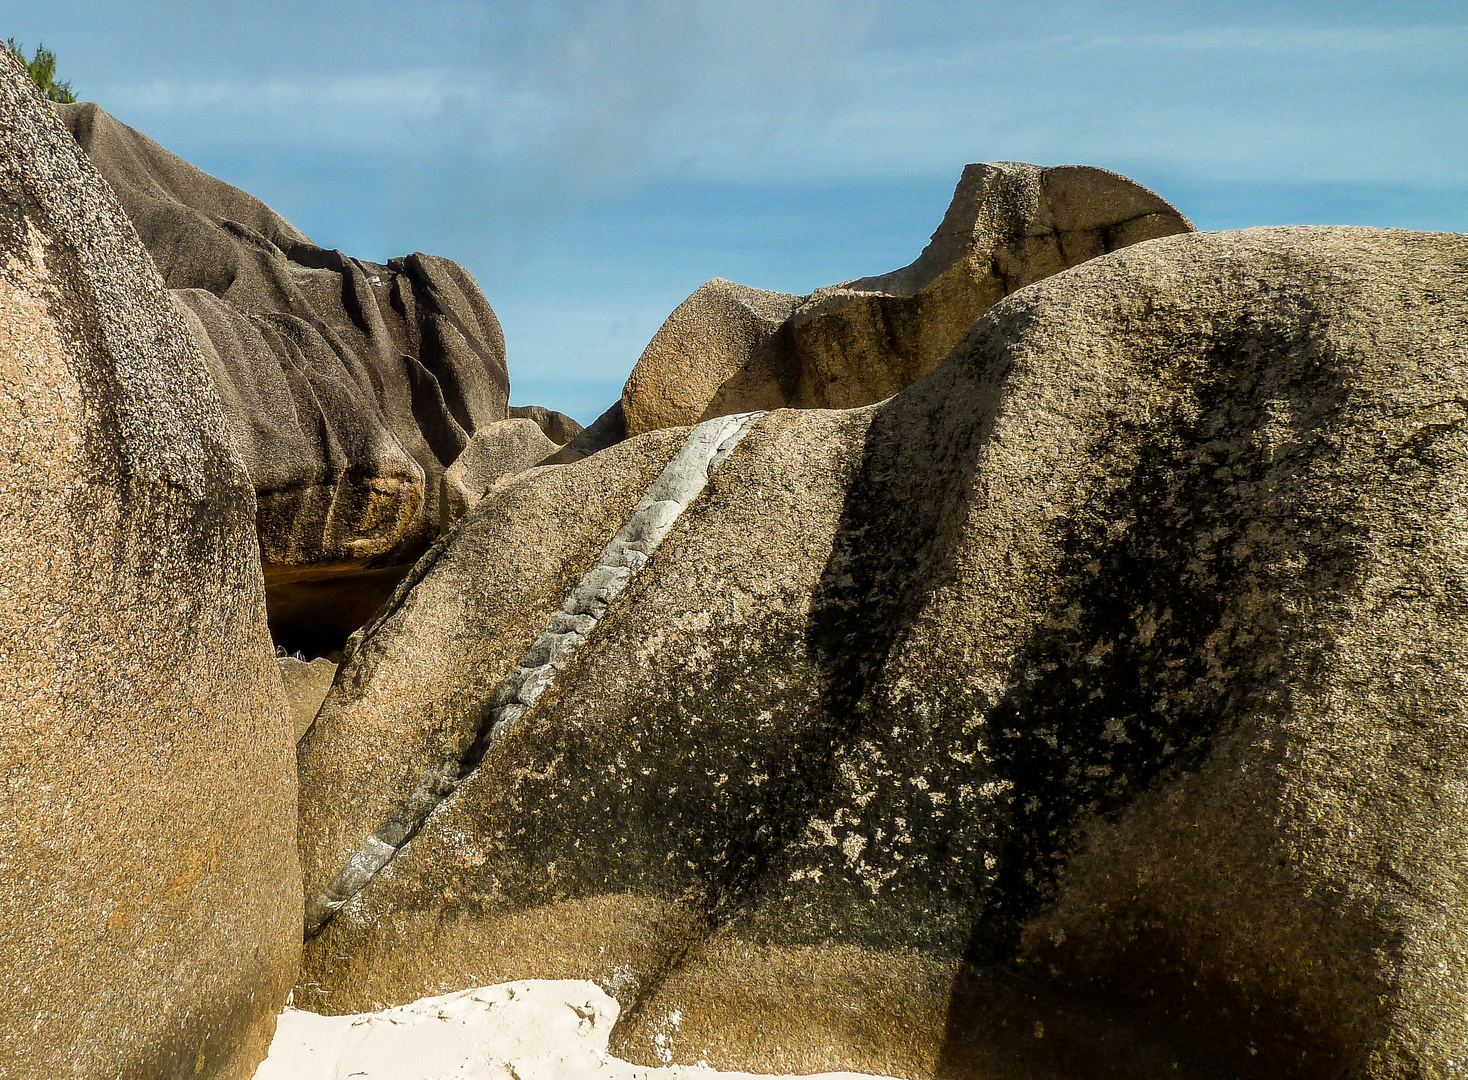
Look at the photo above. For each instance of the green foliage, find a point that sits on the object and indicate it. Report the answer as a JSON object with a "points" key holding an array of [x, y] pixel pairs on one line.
{"points": [[42, 67]]}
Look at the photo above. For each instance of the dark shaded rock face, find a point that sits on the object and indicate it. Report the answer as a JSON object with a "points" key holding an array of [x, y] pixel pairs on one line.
{"points": [[1093, 707], [729, 348], [349, 386], [147, 931]]}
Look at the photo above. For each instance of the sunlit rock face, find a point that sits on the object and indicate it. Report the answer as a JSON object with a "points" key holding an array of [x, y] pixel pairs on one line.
{"points": [[1094, 706], [729, 348], [151, 890]]}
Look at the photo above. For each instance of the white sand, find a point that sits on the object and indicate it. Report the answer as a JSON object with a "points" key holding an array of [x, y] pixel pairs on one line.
{"points": [[536, 1029]]}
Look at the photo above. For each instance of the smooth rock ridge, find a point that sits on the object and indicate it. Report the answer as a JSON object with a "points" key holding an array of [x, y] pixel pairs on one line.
{"points": [[680, 482], [729, 348], [558, 427]]}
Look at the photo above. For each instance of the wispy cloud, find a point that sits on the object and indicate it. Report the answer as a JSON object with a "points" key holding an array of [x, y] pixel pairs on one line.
{"points": [[574, 94], [1320, 42], [558, 100], [366, 111]]}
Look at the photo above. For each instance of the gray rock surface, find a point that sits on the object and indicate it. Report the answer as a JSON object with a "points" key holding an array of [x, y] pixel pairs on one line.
{"points": [[149, 930], [1094, 706], [349, 386], [729, 348]]}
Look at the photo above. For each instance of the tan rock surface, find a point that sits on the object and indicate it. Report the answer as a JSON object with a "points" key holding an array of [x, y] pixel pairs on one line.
{"points": [[729, 348], [708, 339], [1107, 683], [498, 450], [151, 885], [606, 430], [306, 684], [397, 708]]}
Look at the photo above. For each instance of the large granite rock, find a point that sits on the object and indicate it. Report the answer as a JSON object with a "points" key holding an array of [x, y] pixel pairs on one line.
{"points": [[558, 427], [1093, 707], [501, 449], [708, 340], [349, 386], [147, 828], [729, 348], [488, 586]]}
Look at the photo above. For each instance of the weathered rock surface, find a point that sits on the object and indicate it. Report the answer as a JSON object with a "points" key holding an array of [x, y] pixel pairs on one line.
{"points": [[709, 339], [1092, 707], [558, 427], [501, 449], [606, 430], [147, 850], [489, 586], [349, 386], [729, 348], [306, 683]]}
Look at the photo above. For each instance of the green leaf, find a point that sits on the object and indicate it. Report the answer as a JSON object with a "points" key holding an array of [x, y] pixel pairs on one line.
{"points": [[42, 69]]}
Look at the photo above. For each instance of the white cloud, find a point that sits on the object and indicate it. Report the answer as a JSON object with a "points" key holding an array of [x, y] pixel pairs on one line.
{"points": [[367, 111]]}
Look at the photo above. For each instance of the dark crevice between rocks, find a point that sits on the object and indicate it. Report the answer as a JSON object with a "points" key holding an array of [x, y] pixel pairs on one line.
{"points": [[318, 617], [441, 355], [396, 583]]}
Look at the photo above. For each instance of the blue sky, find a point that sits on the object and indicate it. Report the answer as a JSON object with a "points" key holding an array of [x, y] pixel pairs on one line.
{"points": [[593, 163]]}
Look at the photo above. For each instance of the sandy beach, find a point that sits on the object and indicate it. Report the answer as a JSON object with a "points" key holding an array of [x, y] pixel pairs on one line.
{"points": [[533, 1029]]}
